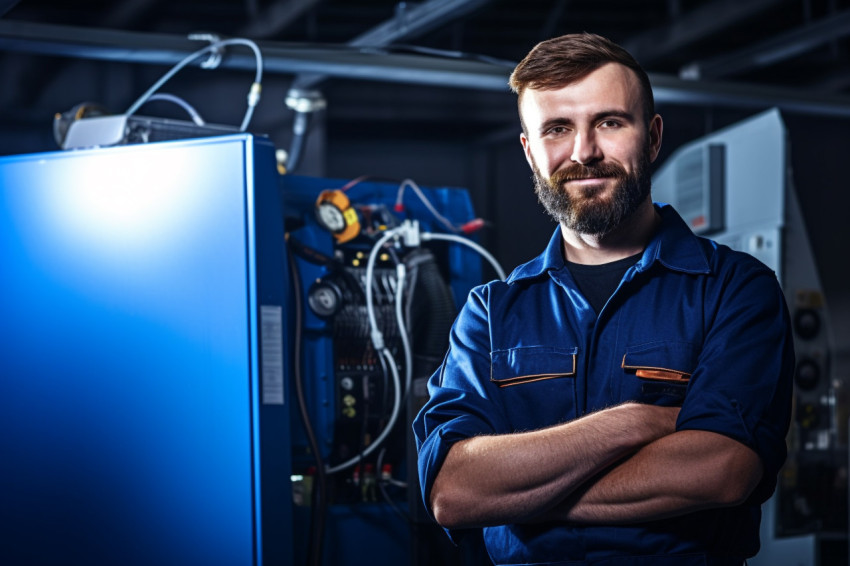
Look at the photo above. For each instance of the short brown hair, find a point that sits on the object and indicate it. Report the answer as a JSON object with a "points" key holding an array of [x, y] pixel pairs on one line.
{"points": [[561, 61]]}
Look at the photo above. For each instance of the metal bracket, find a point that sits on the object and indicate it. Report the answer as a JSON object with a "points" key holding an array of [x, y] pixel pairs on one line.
{"points": [[216, 53]]}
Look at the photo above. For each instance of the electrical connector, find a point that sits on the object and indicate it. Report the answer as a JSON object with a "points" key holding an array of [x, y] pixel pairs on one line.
{"points": [[473, 225], [254, 94], [377, 339], [410, 233]]}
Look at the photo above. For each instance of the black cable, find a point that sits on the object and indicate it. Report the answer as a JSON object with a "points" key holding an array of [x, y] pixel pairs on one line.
{"points": [[300, 126], [319, 495], [404, 516]]}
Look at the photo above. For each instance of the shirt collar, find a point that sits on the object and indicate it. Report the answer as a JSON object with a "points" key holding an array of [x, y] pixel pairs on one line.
{"points": [[674, 245]]}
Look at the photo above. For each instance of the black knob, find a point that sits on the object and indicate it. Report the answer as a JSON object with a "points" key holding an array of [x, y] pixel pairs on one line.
{"points": [[806, 323], [807, 375]]}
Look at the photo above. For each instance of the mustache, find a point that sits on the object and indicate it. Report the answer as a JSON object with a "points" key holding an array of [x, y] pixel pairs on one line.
{"points": [[577, 171]]}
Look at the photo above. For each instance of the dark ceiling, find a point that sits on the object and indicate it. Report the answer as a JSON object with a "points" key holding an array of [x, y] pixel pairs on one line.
{"points": [[798, 43], [421, 65]]}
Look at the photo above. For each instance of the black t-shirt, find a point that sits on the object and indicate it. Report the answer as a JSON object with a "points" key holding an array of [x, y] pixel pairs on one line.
{"points": [[598, 282]]}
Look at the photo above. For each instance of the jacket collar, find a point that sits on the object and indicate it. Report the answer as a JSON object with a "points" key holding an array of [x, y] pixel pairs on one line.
{"points": [[673, 246]]}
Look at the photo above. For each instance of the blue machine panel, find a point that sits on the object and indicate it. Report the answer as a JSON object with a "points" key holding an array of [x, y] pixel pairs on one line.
{"points": [[369, 508], [142, 297]]}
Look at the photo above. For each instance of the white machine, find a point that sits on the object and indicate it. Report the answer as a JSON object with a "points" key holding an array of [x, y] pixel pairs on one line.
{"points": [[736, 187]]}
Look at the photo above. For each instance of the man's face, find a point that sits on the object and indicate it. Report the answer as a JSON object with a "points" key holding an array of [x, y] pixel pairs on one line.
{"points": [[590, 149]]}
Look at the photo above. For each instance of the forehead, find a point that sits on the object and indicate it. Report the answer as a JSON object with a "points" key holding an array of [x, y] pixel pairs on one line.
{"points": [[612, 87]]}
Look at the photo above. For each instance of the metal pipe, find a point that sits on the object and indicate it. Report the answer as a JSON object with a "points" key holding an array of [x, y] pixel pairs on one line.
{"points": [[374, 65]]}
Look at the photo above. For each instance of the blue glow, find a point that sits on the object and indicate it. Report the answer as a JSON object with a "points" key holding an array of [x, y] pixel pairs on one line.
{"points": [[125, 401]]}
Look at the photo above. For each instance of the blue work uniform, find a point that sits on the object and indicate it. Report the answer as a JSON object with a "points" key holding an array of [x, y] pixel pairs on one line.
{"points": [[692, 323]]}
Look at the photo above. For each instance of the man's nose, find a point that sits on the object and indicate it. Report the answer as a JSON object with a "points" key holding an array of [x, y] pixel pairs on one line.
{"points": [[585, 149]]}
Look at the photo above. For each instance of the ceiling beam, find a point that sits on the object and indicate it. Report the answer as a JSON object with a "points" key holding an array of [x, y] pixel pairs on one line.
{"points": [[281, 58], [6, 5], [691, 27], [163, 49], [411, 20], [276, 18], [766, 53], [668, 89]]}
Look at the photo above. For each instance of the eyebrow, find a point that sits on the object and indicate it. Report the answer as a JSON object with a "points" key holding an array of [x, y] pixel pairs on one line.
{"points": [[622, 114], [597, 117]]}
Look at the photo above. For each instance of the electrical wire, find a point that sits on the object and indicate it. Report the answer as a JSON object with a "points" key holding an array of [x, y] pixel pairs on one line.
{"points": [[393, 418], [461, 240], [440, 218], [377, 336], [196, 117], [382, 487], [382, 350], [318, 516], [299, 136], [253, 93], [401, 277]]}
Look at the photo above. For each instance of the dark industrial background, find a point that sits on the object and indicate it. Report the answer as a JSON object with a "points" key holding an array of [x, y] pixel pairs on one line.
{"points": [[419, 90]]}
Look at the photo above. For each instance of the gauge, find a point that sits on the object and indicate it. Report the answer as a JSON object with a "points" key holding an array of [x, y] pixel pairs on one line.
{"points": [[324, 298], [335, 214], [330, 217]]}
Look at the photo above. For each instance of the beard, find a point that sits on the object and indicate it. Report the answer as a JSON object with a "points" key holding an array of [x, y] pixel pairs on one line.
{"points": [[590, 212]]}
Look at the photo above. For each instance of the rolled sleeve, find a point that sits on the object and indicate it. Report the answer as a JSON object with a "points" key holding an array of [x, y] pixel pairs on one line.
{"points": [[742, 385], [460, 404]]}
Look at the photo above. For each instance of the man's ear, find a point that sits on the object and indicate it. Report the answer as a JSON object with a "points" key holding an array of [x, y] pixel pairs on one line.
{"points": [[526, 148], [656, 129]]}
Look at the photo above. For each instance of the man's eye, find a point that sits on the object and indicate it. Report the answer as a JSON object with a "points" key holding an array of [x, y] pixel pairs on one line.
{"points": [[557, 130], [610, 124]]}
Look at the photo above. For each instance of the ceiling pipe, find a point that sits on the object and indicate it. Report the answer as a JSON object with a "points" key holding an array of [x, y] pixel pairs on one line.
{"points": [[778, 48], [347, 63], [689, 27], [410, 21], [281, 58]]}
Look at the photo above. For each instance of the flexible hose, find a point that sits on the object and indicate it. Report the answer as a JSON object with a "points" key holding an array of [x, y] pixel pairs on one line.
{"points": [[318, 517]]}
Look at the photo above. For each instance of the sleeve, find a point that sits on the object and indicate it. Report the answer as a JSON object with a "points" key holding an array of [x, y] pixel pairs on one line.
{"points": [[742, 386], [461, 403]]}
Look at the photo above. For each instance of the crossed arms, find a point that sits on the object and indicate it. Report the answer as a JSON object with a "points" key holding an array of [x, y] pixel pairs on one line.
{"points": [[619, 465]]}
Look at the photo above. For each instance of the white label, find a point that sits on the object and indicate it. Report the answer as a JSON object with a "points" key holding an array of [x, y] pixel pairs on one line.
{"points": [[271, 351]]}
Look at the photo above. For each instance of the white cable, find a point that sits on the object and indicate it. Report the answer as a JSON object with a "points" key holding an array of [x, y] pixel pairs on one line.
{"points": [[390, 424], [455, 238], [443, 220], [253, 94], [377, 337], [196, 118], [381, 350], [401, 272]]}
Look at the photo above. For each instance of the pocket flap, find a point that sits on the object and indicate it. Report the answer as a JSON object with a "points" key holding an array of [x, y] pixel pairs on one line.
{"points": [[531, 363], [664, 361]]}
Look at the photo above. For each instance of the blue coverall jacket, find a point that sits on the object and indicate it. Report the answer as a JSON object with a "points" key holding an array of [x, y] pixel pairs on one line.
{"points": [[530, 352]]}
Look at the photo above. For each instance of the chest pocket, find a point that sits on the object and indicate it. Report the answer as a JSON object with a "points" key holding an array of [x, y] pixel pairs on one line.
{"points": [[536, 384], [658, 373]]}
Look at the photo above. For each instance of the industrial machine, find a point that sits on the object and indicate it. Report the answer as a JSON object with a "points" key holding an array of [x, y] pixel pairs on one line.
{"points": [[205, 362], [143, 402], [380, 269], [737, 187]]}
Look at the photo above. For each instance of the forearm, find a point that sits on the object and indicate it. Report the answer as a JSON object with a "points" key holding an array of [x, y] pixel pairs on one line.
{"points": [[678, 474], [501, 479]]}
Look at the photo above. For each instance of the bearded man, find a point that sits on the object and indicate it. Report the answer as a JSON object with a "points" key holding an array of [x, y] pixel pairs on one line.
{"points": [[623, 398]]}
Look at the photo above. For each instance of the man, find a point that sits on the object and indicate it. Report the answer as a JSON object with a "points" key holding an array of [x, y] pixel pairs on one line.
{"points": [[624, 397]]}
